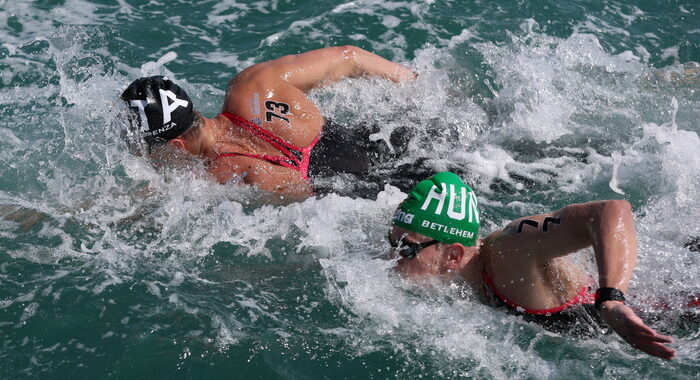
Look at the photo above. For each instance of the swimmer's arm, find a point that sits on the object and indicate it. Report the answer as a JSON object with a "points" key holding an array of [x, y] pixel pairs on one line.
{"points": [[328, 65], [607, 226], [27, 218]]}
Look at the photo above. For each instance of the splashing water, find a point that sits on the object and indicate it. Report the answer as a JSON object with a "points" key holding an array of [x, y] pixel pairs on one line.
{"points": [[111, 266]]}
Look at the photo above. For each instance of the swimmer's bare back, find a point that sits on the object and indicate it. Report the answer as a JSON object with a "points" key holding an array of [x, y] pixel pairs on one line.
{"points": [[273, 95]]}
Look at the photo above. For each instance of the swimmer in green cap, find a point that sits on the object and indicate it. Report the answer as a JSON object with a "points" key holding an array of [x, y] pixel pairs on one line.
{"points": [[523, 267]]}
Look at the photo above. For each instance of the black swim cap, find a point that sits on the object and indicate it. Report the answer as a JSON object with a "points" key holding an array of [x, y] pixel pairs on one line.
{"points": [[160, 110]]}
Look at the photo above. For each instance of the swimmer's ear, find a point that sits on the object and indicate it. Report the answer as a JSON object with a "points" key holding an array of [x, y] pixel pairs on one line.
{"points": [[454, 254]]}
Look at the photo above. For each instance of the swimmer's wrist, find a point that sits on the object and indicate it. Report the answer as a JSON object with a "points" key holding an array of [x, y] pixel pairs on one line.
{"points": [[608, 294], [404, 73], [412, 74]]}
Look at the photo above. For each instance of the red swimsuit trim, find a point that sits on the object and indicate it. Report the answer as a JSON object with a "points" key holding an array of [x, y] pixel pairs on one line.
{"points": [[583, 297], [293, 157]]}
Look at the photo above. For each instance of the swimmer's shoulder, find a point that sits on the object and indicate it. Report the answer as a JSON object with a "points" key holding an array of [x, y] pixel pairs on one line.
{"points": [[248, 92], [253, 77]]}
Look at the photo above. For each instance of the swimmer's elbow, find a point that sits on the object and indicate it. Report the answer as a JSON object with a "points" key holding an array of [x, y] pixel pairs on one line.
{"points": [[591, 218], [349, 51], [594, 211], [347, 55], [608, 215], [620, 205], [614, 208]]}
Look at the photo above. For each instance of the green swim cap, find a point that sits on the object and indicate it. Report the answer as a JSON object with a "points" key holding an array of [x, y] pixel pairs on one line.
{"points": [[441, 207]]}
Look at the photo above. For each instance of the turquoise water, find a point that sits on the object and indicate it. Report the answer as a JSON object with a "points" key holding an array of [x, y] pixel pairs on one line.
{"points": [[113, 268]]}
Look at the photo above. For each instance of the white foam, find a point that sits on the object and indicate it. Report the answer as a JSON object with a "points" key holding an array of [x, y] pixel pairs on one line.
{"points": [[216, 18], [390, 22], [643, 53], [154, 68], [671, 52], [628, 18], [435, 322], [613, 180]]}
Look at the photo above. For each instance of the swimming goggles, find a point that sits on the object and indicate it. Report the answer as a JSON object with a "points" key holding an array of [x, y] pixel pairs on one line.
{"points": [[409, 250]]}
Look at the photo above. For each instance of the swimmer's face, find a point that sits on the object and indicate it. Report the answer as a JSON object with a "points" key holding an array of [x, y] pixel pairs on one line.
{"points": [[427, 253]]}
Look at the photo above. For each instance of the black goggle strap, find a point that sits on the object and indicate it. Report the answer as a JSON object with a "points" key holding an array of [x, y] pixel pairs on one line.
{"points": [[409, 250]]}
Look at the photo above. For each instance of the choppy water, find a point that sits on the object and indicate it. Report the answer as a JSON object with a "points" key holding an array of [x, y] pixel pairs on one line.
{"points": [[137, 272]]}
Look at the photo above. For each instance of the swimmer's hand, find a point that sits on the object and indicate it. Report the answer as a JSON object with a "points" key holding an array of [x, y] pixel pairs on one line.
{"points": [[403, 74], [622, 319]]}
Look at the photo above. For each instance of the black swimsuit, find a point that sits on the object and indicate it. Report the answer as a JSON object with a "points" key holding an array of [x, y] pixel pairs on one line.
{"points": [[345, 161]]}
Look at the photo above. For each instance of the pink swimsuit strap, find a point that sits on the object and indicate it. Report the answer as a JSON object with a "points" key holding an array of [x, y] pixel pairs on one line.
{"points": [[583, 297], [292, 157]]}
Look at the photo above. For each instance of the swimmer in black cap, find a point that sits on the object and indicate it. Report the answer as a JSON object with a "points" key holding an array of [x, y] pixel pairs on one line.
{"points": [[163, 111], [269, 134]]}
